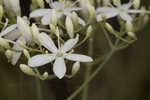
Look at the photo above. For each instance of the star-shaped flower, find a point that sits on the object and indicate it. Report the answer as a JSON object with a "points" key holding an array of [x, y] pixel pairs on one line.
{"points": [[61, 10], [58, 54], [123, 11]]}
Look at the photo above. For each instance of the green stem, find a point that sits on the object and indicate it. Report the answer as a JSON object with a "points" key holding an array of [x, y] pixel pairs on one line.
{"points": [[38, 89], [88, 70], [92, 75]]}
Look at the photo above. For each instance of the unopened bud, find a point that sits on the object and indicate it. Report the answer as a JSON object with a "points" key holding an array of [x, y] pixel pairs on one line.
{"points": [[4, 43], [40, 3], [146, 19], [47, 1], [89, 31], [45, 75], [129, 26], [53, 28], [26, 53], [9, 54], [136, 3], [69, 27], [21, 44], [27, 70], [91, 10], [35, 32], [1, 12], [132, 35], [75, 68], [106, 2], [116, 2], [53, 17], [74, 18], [109, 27]]}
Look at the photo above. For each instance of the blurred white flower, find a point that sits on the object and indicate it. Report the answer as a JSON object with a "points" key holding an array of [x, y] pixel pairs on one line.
{"points": [[61, 10], [18, 32], [13, 5], [123, 11], [58, 54]]}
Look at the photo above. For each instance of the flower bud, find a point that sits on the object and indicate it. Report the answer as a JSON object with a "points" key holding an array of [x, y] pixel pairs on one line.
{"points": [[4, 43], [136, 3], [35, 32], [9, 54], [91, 11], [1, 12], [26, 53], [24, 29], [116, 2], [53, 18], [40, 3], [27, 70], [69, 27], [109, 27], [45, 75], [129, 26], [53, 28], [47, 1], [76, 67], [132, 35], [21, 44], [146, 19], [89, 31], [106, 2], [74, 18]]}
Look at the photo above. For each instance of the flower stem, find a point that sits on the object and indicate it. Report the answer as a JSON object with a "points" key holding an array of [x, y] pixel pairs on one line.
{"points": [[88, 70], [38, 89], [91, 76]]}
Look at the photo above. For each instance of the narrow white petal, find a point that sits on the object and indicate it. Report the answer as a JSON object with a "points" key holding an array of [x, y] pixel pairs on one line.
{"points": [[138, 11], [126, 16], [69, 44], [58, 5], [106, 10], [39, 12], [107, 15], [128, 5], [24, 29], [46, 19], [47, 42], [79, 58], [81, 21], [8, 29], [17, 55], [13, 35], [59, 67], [40, 60]]}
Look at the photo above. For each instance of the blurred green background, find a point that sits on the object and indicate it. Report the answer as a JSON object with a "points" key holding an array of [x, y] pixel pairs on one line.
{"points": [[125, 77]]}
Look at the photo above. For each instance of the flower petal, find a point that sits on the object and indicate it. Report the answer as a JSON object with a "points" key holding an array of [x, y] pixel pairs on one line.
{"points": [[126, 16], [13, 35], [79, 58], [47, 42], [138, 11], [59, 67], [39, 12], [81, 21], [69, 44], [46, 19], [40, 60], [128, 5], [8, 29], [16, 55]]}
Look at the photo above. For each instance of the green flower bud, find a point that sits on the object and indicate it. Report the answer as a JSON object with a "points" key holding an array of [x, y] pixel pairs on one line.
{"points": [[75, 68], [26, 53], [4, 43], [69, 27], [27, 70]]}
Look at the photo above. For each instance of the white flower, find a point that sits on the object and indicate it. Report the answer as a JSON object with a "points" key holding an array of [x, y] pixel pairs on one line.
{"points": [[121, 10], [58, 54], [13, 5], [61, 10], [19, 32]]}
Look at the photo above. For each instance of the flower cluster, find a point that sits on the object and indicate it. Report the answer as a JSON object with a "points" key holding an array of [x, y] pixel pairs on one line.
{"points": [[52, 35]]}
